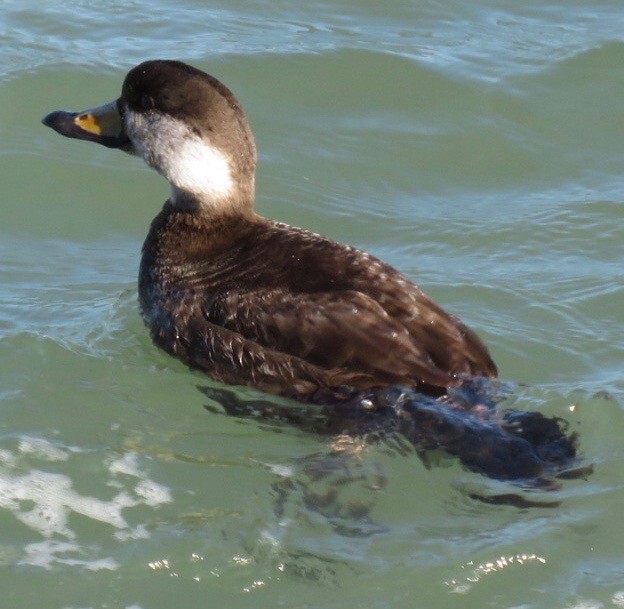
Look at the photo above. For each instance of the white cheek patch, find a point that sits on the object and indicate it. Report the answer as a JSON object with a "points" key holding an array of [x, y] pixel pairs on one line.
{"points": [[199, 168], [190, 163]]}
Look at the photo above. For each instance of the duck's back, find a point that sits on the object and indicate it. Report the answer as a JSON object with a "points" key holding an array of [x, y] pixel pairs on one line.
{"points": [[256, 302]]}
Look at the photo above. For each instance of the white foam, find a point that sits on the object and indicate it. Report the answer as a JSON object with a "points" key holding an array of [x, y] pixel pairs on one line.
{"points": [[54, 499], [44, 500], [43, 449], [153, 493], [47, 554], [138, 532], [128, 465], [284, 471], [7, 458]]}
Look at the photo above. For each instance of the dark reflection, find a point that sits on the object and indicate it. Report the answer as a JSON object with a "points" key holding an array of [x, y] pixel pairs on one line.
{"points": [[528, 448], [338, 488]]}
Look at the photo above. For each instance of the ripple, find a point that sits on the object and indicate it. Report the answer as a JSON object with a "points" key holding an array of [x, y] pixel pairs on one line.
{"points": [[486, 45]]}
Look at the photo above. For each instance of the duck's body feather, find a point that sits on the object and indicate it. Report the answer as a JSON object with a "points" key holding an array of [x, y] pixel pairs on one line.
{"points": [[251, 301]]}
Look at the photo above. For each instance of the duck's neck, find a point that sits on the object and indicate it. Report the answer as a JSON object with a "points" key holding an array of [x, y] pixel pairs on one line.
{"points": [[205, 180], [236, 203], [204, 173]]}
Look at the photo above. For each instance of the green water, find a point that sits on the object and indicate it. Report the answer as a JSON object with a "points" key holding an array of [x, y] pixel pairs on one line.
{"points": [[476, 145]]}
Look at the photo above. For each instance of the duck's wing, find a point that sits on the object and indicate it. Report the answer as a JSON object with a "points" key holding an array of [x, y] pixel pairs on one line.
{"points": [[451, 345], [230, 357], [334, 331], [320, 265]]}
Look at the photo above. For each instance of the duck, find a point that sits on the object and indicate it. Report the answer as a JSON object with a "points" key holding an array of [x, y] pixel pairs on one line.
{"points": [[252, 301]]}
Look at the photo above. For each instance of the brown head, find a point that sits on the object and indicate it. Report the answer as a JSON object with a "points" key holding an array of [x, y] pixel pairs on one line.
{"points": [[185, 124]]}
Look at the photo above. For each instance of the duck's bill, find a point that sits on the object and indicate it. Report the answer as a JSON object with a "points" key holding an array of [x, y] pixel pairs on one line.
{"points": [[103, 125]]}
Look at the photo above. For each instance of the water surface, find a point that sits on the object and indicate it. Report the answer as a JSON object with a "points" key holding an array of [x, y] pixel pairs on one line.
{"points": [[477, 146]]}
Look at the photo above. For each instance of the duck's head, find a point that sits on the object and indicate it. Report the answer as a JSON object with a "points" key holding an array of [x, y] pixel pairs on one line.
{"points": [[186, 125]]}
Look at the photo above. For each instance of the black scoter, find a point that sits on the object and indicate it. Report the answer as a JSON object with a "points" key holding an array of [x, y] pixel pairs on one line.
{"points": [[249, 300]]}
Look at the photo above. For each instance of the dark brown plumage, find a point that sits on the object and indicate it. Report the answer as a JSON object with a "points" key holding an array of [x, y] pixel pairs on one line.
{"points": [[256, 302]]}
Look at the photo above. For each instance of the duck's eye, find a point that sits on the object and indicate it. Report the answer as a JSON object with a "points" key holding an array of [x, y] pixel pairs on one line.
{"points": [[147, 102]]}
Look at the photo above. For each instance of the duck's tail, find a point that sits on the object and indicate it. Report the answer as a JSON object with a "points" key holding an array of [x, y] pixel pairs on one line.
{"points": [[466, 423]]}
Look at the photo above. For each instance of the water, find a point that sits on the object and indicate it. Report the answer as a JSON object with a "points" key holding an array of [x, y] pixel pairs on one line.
{"points": [[475, 145]]}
